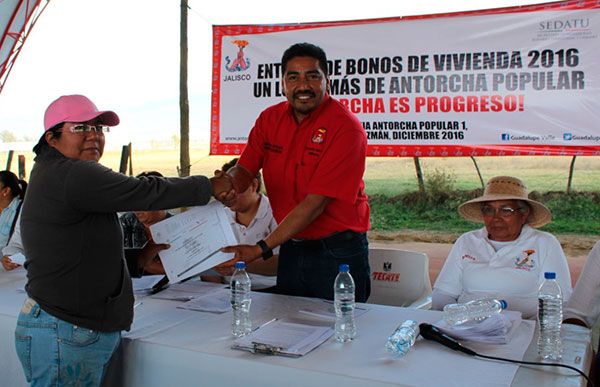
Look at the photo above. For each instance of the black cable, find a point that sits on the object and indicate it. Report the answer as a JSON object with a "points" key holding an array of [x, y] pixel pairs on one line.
{"points": [[590, 383], [431, 332]]}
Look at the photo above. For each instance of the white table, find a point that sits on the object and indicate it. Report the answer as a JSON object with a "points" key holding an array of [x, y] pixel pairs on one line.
{"points": [[197, 351]]}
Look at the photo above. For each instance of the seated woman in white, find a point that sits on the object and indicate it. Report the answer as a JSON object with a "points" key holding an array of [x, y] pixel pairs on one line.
{"points": [[251, 218], [507, 258], [583, 307]]}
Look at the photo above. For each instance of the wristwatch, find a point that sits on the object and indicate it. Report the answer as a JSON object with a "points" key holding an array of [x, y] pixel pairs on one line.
{"points": [[266, 250]]}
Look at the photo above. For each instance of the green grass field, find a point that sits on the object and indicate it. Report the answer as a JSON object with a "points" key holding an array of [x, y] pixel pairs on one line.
{"points": [[393, 176], [390, 180]]}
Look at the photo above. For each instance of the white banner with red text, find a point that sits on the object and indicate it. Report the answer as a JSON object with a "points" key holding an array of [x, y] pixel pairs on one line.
{"points": [[511, 81]]}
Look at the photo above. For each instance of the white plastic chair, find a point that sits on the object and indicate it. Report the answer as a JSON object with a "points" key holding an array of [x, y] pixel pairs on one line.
{"points": [[399, 278]]}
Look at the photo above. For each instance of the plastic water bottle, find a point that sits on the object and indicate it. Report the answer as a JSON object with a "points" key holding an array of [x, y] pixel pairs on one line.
{"points": [[472, 311], [550, 318], [343, 291], [403, 338], [240, 301]]}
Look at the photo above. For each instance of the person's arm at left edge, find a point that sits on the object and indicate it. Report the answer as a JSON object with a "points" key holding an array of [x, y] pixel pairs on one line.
{"points": [[296, 221]]}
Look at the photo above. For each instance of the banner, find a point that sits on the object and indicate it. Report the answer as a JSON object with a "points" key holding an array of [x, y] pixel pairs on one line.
{"points": [[511, 81]]}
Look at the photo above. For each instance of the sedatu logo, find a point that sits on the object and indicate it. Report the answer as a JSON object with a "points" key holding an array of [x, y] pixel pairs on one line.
{"points": [[565, 25]]}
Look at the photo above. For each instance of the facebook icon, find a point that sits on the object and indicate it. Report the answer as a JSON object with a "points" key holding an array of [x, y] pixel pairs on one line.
{"points": [[505, 137], [567, 136]]}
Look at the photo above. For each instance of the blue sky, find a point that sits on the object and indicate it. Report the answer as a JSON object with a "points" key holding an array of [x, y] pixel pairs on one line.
{"points": [[124, 55]]}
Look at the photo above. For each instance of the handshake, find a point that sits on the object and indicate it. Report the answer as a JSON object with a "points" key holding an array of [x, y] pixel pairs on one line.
{"points": [[225, 185]]}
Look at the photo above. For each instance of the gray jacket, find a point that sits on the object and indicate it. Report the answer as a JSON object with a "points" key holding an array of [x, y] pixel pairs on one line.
{"points": [[73, 240]]}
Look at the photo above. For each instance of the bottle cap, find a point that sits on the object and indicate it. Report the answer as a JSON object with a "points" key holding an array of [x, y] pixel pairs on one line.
{"points": [[503, 304], [344, 268], [240, 265], [550, 275]]}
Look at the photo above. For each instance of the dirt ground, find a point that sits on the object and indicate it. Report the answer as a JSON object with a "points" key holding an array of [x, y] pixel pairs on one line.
{"points": [[438, 244]]}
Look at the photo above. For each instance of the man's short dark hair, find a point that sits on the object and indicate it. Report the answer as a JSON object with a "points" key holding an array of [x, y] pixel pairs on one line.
{"points": [[304, 49]]}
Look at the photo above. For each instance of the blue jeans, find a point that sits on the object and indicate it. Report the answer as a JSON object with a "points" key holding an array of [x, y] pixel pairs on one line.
{"points": [[308, 268], [54, 352]]}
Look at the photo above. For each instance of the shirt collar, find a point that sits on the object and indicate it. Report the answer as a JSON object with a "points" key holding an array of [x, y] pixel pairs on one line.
{"points": [[263, 211]]}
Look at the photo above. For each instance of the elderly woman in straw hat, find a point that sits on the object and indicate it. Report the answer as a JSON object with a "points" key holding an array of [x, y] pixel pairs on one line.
{"points": [[507, 258]]}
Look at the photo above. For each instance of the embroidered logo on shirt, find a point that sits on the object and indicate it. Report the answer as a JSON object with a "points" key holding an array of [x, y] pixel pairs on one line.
{"points": [[525, 262], [469, 257], [272, 147], [319, 136], [387, 266]]}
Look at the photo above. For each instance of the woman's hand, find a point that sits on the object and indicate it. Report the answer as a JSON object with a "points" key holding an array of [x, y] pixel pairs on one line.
{"points": [[8, 264], [148, 258]]}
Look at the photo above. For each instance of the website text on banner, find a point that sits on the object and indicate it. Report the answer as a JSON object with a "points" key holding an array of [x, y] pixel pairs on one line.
{"points": [[511, 81]]}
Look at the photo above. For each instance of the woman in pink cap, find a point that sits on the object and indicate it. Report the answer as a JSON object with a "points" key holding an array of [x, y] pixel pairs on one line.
{"points": [[80, 294]]}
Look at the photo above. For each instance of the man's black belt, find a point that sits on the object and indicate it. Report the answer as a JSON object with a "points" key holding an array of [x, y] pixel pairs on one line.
{"points": [[338, 237]]}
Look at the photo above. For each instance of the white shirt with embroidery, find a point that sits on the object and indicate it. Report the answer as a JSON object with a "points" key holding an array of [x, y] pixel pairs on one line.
{"points": [[474, 269], [584, 303], [261, 226]]}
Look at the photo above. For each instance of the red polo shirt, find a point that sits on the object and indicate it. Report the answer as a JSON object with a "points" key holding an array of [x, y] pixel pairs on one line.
{"points": [[323, 155]]}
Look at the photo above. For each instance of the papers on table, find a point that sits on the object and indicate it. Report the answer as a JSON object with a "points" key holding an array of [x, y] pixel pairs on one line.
{"points": [[196, 237], [279, 337], [215, 302], [145, 283], [18, 258], [497, 329], [187, 291], [146, 325]]}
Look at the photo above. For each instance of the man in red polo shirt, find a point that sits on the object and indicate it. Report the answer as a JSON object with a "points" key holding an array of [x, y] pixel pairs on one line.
{"points": [[312, 152]]}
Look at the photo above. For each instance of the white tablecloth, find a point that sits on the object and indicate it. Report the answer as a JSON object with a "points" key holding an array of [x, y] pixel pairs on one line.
{"points": [[193, 348]]}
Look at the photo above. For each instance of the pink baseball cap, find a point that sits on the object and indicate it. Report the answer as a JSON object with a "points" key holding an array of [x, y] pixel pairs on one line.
{"points": [[76, 108]]}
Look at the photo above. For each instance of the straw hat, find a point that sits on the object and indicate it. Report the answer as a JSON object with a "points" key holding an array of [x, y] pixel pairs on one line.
{"points": [[505, 188]]}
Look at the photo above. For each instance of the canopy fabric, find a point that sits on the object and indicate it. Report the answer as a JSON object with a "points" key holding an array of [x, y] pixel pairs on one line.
{"points": [[17, 18]]}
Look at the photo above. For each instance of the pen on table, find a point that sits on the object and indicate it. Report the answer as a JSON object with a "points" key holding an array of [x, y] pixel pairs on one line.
{"points": [[137, 304], [264, 324], [160, 285]]}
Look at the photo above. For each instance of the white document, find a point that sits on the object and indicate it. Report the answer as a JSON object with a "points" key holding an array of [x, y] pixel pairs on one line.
{"points": [[18, 258], [150, 324], [279, 337], [216, 302], [196, 237]]}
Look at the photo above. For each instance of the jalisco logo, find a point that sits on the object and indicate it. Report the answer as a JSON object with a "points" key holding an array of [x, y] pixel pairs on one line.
{"points": [[241, 63], [319, 136], [526, 262]]}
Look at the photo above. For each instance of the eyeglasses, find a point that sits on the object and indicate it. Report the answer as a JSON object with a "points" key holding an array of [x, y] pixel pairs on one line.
{"points": [[504, 212], [85, 128]]}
